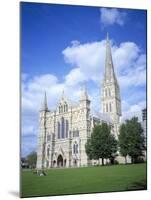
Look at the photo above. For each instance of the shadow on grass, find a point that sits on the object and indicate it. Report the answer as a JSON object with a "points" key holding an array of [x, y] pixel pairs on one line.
{"points": [[141, 185]]}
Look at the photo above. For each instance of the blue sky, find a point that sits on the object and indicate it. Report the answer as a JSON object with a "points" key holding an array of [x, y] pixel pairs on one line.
{"points": [[62, 47]]}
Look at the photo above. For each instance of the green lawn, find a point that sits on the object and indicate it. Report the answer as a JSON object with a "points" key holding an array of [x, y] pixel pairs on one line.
{"points": [[84, 180]]}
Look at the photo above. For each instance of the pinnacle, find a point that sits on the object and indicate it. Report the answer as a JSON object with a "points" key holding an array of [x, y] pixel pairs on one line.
{"points": [[44, 105]]}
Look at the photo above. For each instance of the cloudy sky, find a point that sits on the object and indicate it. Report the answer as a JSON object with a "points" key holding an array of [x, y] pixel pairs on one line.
{"points": [[63, 48]]}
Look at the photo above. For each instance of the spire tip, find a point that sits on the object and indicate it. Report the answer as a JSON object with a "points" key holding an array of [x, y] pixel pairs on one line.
{"points": [[44, 105], [107, 36]]}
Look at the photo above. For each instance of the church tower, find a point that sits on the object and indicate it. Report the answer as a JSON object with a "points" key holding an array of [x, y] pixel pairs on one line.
{"points": [[85, 124], [110, 98], [42, 135]]}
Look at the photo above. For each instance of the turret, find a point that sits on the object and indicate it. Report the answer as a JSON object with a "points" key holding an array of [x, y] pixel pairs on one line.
{"points": [[84, 99], [41, 162], [44, 106]]}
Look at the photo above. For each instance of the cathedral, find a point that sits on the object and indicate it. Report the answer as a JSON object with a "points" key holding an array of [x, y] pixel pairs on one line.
{"points": [[64, 132]]}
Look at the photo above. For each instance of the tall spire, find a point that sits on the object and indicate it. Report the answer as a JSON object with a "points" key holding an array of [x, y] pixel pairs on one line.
{"points": [[109, 68], [84, 95], [111, 102], [44, 105]]}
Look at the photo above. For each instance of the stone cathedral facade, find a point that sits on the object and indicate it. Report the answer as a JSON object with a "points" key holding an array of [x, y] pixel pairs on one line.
{"points": [[64, 132]]}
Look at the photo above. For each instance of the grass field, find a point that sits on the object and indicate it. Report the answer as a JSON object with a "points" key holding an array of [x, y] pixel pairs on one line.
{"points": [[84, 180]]}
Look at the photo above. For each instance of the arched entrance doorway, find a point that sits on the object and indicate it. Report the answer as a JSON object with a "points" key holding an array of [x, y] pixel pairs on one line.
{"points": [[60, 161]]}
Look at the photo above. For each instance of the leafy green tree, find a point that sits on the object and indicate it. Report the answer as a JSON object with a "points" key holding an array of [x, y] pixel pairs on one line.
{"points": [[32, 159], [131, 139], [23, 159], [89, 149], [102, 144], [123, 141]]}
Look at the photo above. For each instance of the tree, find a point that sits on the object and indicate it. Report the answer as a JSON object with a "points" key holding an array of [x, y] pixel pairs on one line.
{"points": [[32, 159], [24, 163], [102, 144], [89, 149], [123, 141], [131, 139]]}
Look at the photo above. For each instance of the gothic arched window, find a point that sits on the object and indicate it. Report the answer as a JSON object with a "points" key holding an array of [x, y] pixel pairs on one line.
{"points": [[67, 128], [64, 108], [48, 150], [110, 107], [58, 130], [61, 109], [76, 148], [106, 107], [62, 127], [48, 138]]}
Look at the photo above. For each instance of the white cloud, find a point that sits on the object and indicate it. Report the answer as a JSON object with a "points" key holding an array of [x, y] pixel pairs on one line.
{"points": [[125, 55], [44, 80], [88, 57], [130, 111], [75, 77], [110, 16]]}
